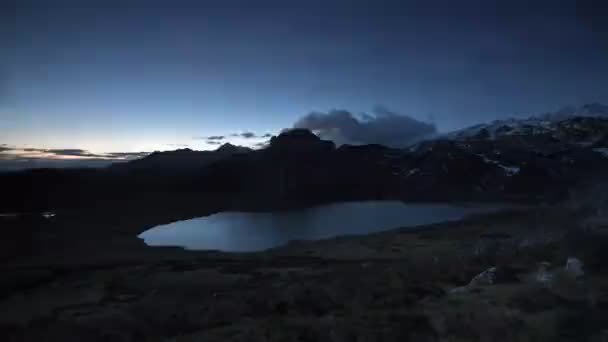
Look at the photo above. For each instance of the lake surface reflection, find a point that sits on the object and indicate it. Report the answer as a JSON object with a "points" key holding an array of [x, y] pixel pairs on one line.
{"points": [[247, 231]]}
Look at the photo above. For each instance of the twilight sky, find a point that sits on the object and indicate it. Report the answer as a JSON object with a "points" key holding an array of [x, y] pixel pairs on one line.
{"points": [[129, 76]]}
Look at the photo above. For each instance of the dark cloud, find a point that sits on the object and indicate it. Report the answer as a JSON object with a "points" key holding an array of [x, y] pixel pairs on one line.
{"points": [[36, 163], [250, 135], [244, 135], [262, 144], [16, 158], [214, 142], [73, 153], [60, 152], [76, 152], [127, 155], [210, 138], [380, 127]]}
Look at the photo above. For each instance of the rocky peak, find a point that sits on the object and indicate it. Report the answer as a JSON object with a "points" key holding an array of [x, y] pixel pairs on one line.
{"points": [[296, 134], [300, 140], [229, 148], [183, 150], [161, 154]]}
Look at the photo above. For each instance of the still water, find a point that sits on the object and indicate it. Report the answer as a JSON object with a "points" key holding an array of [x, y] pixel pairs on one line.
{"points": [[245, 231]]}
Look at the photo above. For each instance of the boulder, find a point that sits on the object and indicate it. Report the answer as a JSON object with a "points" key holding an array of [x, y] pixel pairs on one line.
{"points": [[487, 277], [543, 275], [574, 267], [491, 276]]}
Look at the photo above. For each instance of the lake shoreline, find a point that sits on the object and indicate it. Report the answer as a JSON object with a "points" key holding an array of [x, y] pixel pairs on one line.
{"points": [[62, 239], [240, 231]]}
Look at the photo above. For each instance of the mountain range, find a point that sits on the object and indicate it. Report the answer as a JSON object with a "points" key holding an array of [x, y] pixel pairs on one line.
{"points": [[531, 159]]}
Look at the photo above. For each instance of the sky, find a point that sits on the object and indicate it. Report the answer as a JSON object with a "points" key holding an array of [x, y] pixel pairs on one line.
{"points": [[143, 75]]}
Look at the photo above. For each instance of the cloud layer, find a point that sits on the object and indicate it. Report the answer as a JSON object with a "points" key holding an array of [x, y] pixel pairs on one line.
{"points": [[74, 153], [380, 127], [247, 135], [15, 158], [250, 135]]}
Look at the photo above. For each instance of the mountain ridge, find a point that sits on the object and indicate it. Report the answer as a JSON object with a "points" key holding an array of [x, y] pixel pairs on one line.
{"points": [[537, 124], [299, 168]]}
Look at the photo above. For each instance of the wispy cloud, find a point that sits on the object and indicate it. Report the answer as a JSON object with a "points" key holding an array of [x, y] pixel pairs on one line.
{"points": [[240, 138], [15, 158], [55, 152], [74, 153], [250, 135], [127, 155], [211, 137], [262, 144], [29, 153]]}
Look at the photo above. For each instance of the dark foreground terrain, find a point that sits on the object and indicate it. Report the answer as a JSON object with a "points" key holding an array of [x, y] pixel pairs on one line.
{"points": [[400, 285]]}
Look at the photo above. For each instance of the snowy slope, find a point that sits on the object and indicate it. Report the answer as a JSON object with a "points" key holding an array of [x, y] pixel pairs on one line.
{"points": [[540, 124]]}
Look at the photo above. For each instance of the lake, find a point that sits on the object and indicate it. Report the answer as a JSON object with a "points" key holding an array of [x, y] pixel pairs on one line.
{"points": [[255, 231]]}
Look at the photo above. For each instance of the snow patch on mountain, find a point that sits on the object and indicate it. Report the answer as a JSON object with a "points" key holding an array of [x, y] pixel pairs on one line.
{"points": [[509, 170], [504, 127], [593, 110], [540, 124]]}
